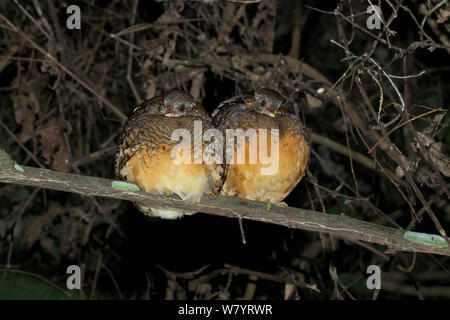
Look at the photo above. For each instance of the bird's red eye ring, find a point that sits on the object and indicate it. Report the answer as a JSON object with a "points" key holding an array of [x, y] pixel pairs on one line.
{"points": [[169, 108], [182, 108]]}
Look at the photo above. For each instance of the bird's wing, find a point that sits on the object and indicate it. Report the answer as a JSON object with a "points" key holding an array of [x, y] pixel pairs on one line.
{"points": [[152, 132]]}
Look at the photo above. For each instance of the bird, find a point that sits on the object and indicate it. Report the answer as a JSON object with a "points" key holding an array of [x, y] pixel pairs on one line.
{"points": [[262, 110], [148, 157]]}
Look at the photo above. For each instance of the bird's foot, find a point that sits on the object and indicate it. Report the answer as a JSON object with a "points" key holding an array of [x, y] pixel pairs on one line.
{"points": [[212, 194], [278, 204], [282, 204]]}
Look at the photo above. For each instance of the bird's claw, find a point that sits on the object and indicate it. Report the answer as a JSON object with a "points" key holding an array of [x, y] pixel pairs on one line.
{"points": [[278, 204]]}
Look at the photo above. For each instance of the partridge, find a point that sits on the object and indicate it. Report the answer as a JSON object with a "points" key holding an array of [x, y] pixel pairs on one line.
{"points": [[262, 112], [147, 154]]}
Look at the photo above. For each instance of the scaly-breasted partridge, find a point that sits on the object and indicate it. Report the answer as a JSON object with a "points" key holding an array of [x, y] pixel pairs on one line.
{"points": [[246, 179], [145, 156]]}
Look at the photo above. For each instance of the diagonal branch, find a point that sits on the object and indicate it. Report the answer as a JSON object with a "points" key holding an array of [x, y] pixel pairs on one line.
{"points": [[232, 207]]}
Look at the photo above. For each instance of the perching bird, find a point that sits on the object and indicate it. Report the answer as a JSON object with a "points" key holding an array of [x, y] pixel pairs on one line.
{"points": [[247, 179], [145, 156]]}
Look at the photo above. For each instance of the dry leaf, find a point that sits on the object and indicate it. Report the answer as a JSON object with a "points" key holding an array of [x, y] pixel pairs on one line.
{"points": [[24, 116], [36, 229], [313, 102], [441, 161], [54, 150]]}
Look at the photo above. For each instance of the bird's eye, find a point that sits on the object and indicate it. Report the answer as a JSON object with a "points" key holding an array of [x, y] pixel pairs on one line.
{"points": [[182, 108]]}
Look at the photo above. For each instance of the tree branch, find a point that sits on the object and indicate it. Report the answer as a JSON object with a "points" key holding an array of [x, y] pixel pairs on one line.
{"points": [[232, 207]]}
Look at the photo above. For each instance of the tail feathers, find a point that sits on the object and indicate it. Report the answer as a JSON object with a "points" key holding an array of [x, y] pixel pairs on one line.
{"points": [[161, 212]]}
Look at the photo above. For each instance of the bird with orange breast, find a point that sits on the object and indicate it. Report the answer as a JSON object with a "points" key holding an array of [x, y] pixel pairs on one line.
{"points": [[147, 154], [277, 136]]}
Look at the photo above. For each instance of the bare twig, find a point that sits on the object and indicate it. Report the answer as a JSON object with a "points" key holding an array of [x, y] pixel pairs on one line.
{"points": [[130, 56], [32, 19], [113, 108]]}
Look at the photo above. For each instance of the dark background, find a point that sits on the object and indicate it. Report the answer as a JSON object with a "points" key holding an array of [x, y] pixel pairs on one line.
{"points": [[124, 254]]}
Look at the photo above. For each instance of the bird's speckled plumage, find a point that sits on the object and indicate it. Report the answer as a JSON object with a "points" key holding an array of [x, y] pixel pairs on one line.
{"points": [[144, 155], [245, 180]]}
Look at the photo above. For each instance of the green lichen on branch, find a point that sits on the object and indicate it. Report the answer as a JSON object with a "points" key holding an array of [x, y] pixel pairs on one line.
{"points": [[425, 238], [125, 186], [18, 168]]}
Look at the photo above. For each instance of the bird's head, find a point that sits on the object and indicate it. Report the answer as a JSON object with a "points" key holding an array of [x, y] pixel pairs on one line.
{"points": [[265, 101], [179, 103]]}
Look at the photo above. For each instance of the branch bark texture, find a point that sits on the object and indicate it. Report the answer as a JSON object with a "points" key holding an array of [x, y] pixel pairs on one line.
{"points": [[232, 207]]}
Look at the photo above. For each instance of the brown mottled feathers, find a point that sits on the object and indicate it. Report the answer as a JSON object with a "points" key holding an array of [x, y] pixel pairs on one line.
{"points": [[147, 129], [246, 180], [144, 155]]}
